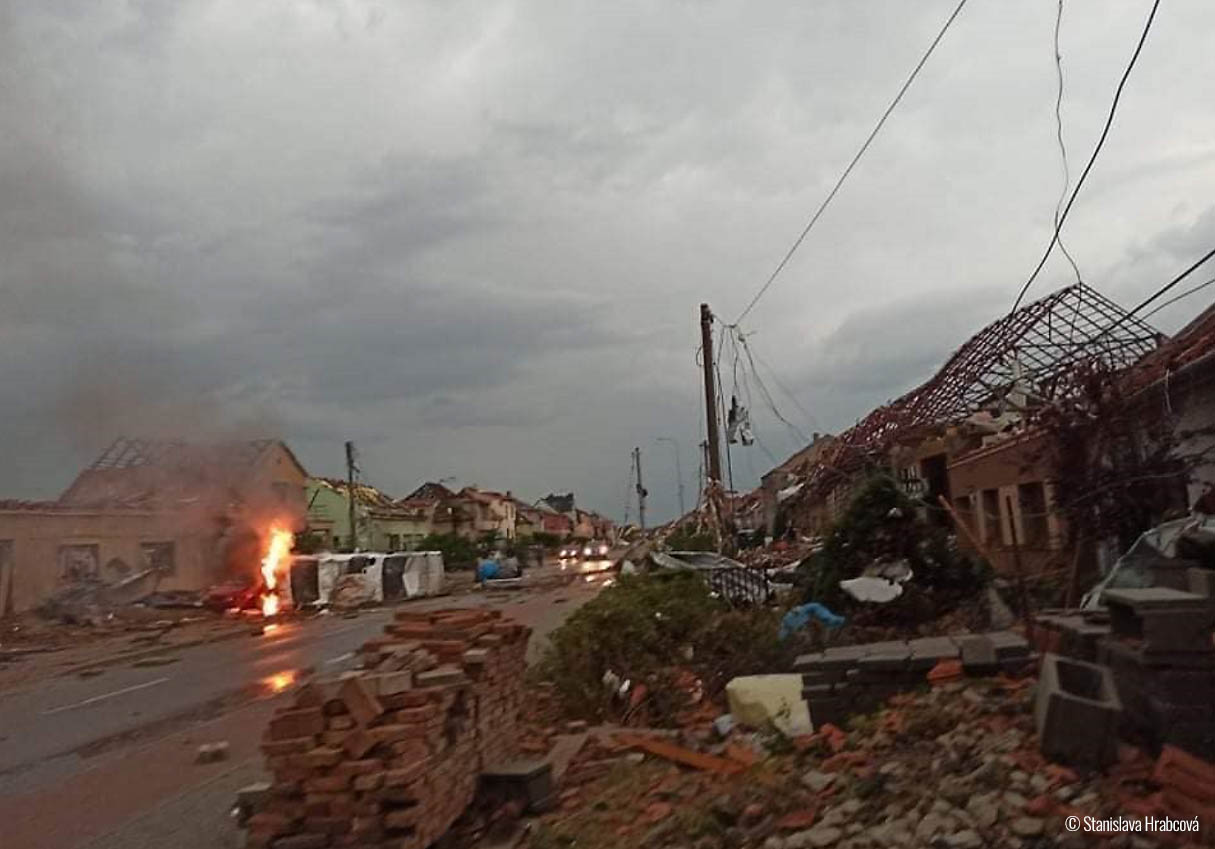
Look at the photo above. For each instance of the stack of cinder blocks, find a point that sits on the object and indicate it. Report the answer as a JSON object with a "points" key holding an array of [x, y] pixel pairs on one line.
{"points": [[390, 755], [845, 680], [1162, 658]]}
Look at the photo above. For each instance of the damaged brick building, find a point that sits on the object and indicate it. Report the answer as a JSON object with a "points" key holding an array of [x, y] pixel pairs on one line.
{"points": [[966, 441], [148, 515]]}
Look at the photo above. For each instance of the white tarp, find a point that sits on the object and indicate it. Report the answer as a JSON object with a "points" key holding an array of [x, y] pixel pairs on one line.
{"points": [[878, 590], [327, 571]]}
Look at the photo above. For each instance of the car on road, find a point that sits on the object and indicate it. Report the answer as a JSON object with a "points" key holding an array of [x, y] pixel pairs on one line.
{"points": [[585, 550]]}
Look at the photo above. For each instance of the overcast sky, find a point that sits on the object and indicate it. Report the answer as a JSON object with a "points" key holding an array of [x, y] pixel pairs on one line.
{"points": [[473, 236]]}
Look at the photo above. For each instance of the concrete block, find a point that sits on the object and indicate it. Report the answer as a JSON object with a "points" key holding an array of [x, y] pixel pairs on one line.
{"points": [[1009, 644], [934, 648], [834, 709], [1076, 712], [531, 780], [1164, 620], [1078, 637], [1201, 581], [979, 658]]}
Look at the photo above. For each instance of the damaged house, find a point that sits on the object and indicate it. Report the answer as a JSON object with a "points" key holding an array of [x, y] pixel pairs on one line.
{"points": [[151, 515], [382, 523], [964, 442]]}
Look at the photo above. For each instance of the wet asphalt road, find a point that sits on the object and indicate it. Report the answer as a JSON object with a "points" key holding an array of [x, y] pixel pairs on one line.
{"points": [[59, 726], [108, 760]]}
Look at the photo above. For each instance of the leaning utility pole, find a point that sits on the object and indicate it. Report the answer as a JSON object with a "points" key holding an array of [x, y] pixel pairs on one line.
{"points": [[714, 440], [350, 493], [641, 493]]}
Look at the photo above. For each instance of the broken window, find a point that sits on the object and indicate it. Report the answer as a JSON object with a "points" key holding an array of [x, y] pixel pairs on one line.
{"points": [[1034, 527], [992, 532], [158, 556], [79, 562]]}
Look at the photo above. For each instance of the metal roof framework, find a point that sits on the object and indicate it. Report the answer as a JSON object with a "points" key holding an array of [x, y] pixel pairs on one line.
{"points": [[1028, 358]]}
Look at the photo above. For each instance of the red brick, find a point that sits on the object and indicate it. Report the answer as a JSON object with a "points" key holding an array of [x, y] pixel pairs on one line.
{"points": [[269, 823], [362, 767], [405, 818], [390, 683], [362, 703], [328, 825], [339, 723], [294, 746], [405, 775], [323, 756], [327, 783], [408, 751], [359, 742], [368, 781], [335, 738], [293, 724]]}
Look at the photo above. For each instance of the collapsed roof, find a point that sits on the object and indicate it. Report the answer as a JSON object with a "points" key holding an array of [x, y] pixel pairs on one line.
{"points": [[163, 473], [1026, 359]]}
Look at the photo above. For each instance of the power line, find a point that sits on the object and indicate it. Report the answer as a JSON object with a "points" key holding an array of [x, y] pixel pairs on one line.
{"points": [[1158, 293], [1109, 122], [1177, 298], [855, 159], [1059, 137], [1167, 286]]}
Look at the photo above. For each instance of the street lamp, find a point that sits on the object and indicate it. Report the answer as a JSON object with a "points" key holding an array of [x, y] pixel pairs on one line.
{"points": [[678, 472]]}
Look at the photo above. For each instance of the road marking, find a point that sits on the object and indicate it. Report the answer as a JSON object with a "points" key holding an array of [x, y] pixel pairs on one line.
{"points": [[340, 658], [101, 698]]}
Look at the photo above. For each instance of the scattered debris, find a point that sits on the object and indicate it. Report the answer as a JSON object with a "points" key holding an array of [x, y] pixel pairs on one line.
{"points": [[769, 701], [212, 752], [679, 754]]}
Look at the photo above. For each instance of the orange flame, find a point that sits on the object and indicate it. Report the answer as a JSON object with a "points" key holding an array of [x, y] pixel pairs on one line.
{"points": [[273, 565]]}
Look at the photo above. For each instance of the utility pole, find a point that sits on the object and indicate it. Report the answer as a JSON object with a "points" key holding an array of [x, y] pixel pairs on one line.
{"points": [[678, 471], [641, 493], [714, 440], [350, 492]]}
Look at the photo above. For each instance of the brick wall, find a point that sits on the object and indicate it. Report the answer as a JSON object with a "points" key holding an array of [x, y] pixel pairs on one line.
{"points": [[390, 755]]}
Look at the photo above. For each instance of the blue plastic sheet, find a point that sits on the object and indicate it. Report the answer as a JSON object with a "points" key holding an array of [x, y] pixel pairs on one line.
{"points": [[797, 618], [488, 569]]}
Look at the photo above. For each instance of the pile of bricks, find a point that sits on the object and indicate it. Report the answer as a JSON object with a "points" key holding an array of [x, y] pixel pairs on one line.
{"points": [[1162, 659], [390, 755], [846, 680]]}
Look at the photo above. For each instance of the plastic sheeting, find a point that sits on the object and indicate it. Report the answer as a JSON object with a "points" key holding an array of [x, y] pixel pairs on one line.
{"points": [[407, 575], [1161, 541], [761, 700]]}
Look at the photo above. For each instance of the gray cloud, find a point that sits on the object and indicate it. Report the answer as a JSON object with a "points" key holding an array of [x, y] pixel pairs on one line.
{"points": [[473, 236]]}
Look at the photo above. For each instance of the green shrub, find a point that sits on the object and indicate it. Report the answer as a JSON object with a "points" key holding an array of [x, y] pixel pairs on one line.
{"points": [[883, 525], [457, 552], [652, 630]]}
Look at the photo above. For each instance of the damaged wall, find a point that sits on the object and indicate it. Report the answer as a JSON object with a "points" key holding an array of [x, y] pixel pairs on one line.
{"points": [[1008, 487], [53, 547]]}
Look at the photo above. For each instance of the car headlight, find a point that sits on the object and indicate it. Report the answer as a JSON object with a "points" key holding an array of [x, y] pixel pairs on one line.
{"points": [[586, 552]]}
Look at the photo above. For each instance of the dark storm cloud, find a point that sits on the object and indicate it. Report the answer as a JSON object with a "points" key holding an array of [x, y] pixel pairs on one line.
{"points": [[473, 236]]}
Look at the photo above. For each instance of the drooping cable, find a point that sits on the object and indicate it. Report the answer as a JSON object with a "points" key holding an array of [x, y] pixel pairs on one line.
{"points": [[1109, 122], [851, 165]]}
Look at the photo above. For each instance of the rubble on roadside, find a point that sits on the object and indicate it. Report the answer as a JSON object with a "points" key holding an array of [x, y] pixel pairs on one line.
{"points": [[954, 765]]}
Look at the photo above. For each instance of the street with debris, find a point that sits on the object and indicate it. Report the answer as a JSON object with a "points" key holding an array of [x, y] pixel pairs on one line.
{"points": [[119, 743], [584, 425]]}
